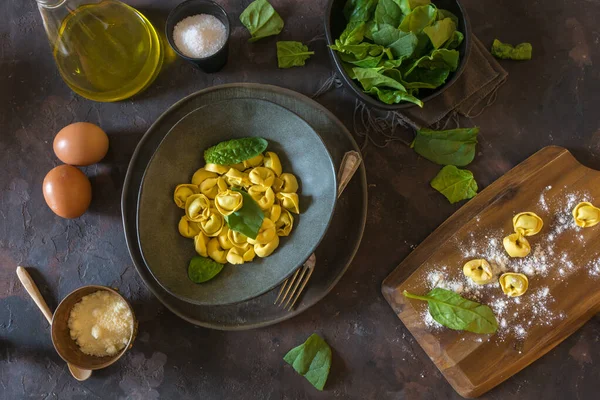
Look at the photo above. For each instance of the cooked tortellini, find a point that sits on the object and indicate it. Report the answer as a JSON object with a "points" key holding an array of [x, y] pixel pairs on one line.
{"points": [[215, 196], [514, 284], [289, 201], [586, 215], [527, 223], [182, 192], [271, 161], [479, 271], [516, 245]]}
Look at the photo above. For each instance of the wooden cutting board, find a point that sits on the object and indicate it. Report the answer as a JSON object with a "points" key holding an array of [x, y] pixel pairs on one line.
{"points": [[563, 270]]}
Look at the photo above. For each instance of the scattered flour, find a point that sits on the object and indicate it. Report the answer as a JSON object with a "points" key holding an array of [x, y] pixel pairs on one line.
{"points": [[516, 315]]}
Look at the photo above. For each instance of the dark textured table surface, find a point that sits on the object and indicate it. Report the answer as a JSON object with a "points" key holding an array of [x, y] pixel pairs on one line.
{"points": [[552, 99]]}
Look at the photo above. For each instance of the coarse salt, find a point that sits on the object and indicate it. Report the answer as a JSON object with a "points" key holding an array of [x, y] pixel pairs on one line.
{"points": [[199, 36]]}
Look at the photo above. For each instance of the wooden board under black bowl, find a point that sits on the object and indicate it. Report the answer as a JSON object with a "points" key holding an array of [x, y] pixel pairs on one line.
{"points": [[334, 254]]}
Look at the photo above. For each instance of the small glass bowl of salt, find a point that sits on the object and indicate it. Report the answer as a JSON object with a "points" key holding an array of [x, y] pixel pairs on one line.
{"points": [[198, 31]]}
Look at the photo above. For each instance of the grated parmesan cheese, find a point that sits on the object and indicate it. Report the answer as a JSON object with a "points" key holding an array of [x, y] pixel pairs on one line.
{"points": [[101, 323]]}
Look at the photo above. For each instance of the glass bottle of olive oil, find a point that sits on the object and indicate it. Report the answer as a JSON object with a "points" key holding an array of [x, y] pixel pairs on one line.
{"points": [[105, 50]]}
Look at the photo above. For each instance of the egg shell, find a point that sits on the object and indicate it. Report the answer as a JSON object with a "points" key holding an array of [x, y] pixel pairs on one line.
{"points": [[67, 191], [81, 144]]}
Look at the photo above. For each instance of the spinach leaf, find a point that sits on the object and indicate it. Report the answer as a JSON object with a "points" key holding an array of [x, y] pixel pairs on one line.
{"points": [[440, 58], [508, 52], [419, 18], [292, 54], [312, 359], [203, 269], [455, 312], [455, 40], [394, 96], [235, 151], [367, 62], [456, 184], [359, 10], [388, 12], [440, 32], [359, 51], [443, 14], [408, 5], [405, 46], [348, 69], [451, 147], [422, 78], [248, 219], [371, 77], [354, 33], [386, 34], [261, 19]]}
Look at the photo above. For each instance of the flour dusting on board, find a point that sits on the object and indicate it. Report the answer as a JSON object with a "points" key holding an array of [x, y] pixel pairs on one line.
{"points": [[517, 316]]}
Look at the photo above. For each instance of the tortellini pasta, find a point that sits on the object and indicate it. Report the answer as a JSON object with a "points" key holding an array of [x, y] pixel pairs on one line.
{"points": [[479, 271], [516, 245], [514, 284], [182, 192], [527, 223], [289, 201], [586, 215], [271, 161], [262, 176], [215, 195]]}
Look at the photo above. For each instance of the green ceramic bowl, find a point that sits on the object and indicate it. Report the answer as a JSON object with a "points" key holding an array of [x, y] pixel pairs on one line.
{"points": [[180, 154]]}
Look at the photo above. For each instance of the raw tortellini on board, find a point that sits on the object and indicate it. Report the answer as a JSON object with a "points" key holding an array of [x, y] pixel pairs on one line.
{"points": [[479, 271], [586, 214], [524, 224], [210, 197], [514, 284]]}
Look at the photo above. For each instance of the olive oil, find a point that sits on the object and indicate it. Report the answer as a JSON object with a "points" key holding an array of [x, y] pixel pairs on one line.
{"points": [[107, 51]]}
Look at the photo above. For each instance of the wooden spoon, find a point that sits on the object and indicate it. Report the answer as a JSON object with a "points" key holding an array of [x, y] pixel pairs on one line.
{"points": [[32, 289]]}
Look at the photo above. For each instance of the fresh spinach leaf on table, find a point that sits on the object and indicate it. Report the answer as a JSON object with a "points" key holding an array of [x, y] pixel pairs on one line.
{"points": [[292, 54], [508, 52], [248, 219], [456, 184], [450, 147], [261, 19], [203, 269], [455, 312], [312, 359], [235, 151]]}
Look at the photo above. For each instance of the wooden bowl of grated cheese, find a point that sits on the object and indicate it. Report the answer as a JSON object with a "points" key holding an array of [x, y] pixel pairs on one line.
{"points": [[93, 327]]}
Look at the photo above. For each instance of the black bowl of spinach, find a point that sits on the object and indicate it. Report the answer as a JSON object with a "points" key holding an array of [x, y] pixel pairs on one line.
{"points": [[397, 54]]}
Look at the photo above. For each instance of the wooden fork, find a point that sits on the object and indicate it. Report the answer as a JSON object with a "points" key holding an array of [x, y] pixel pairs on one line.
{"points": [[292, 288]]}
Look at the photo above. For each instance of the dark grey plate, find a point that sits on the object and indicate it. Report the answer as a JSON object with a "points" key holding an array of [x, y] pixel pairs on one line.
{"points": [[334, 254], [179, 155]]}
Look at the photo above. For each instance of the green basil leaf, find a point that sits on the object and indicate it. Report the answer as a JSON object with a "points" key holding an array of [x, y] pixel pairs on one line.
{"points": [[408, 5], [455, 312], [455, 41], [292, 54], [451, 147], [440, 32], [388, 12], [235, 151], [312, 359], [203, 269], [422, 78], [419, 18], [359, 10], [248, 219], [456, 184], [394, 96], [372, 77], [443, 14], [261, 19], [439, 59], [508, 52]]}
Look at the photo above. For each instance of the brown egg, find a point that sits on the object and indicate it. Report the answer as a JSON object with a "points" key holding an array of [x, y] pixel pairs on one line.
{"points": [[80, 143], [67, 191]]}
